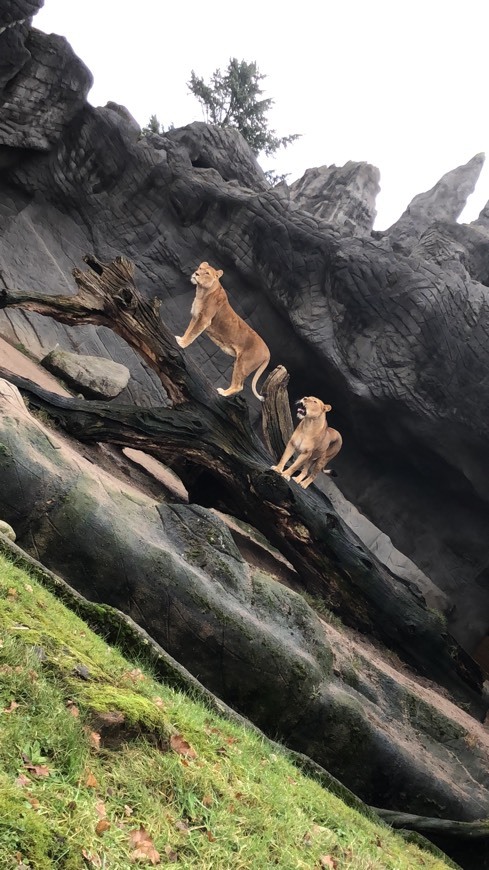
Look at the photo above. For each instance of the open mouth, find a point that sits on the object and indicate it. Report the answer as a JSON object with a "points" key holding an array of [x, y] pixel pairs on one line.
{"points": [[194, 279], [301, 410]]}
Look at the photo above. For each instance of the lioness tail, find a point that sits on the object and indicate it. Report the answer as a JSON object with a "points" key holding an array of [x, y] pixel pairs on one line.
{"points": [[257, 375]]}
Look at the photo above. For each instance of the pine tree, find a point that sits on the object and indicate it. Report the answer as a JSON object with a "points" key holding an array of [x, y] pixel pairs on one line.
{"points": [[232, 99]]}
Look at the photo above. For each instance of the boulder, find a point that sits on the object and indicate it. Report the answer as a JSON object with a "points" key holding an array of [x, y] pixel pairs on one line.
{"points": [[94, 377]]}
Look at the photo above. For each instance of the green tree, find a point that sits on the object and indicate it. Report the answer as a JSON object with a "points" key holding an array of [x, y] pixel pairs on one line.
{"points": [[232, 99], [154, 126]]}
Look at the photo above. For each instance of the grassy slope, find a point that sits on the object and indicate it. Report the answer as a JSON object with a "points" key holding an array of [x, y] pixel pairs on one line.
{"points": [[177, 780]]}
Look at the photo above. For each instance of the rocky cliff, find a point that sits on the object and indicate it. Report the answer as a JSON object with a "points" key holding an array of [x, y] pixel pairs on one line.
{"points": [[391, 328]]}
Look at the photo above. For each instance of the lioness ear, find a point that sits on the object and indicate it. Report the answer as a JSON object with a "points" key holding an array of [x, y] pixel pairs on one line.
{"points": [[219, 273], [327, 407]]}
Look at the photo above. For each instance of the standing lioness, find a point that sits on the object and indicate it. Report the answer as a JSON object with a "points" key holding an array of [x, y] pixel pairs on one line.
{"points": [[211, 312], [314, 442]]}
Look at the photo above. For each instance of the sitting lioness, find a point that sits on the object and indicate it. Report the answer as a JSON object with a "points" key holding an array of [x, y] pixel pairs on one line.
{"points": [[314, 442], [212, 313]]}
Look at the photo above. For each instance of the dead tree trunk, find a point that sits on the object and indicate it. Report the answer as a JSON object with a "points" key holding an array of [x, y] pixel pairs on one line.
{"points": [[228, 467]]}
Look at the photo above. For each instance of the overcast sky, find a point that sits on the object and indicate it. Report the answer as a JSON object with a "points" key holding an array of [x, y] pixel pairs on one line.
{"points": [[402, 85]]}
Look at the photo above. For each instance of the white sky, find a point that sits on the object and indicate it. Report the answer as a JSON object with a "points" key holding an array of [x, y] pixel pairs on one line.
{"points": [[402, 84]]}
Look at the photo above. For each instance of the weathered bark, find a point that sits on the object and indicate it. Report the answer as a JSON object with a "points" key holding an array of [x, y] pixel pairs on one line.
{"points": [[428, 826], [229, 467]]}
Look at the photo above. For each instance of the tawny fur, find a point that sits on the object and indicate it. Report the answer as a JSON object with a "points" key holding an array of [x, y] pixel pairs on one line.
{"points": [[313, 441], [212, 313]]}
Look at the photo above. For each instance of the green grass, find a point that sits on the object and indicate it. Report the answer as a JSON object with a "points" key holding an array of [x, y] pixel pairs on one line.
{"points": [[206, 792]]}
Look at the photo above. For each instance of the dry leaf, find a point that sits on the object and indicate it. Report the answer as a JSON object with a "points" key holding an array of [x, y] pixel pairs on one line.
{"points": [[73, 709], [128, 811], [12, 706], [92, 858], [171, 854], [36, 769], [12, 593], [207, 800], [181, 825], [145, 850], [94, 739], [178, 744], [101, 826], [90, 781], [328, 861], [210, 837], [158, 702], [100, 809], [28, 587], [33, 801], [22, 780]]}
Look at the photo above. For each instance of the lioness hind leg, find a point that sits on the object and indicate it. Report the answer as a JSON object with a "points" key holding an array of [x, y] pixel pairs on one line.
{"points": [[237, 380]]}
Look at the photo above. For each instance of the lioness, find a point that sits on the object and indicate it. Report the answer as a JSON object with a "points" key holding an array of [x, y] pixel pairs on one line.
{"points": [[314, 442], [211, 312]]}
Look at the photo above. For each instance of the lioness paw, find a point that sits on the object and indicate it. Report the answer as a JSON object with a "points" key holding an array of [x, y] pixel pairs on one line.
{"points": [[179, 340]]}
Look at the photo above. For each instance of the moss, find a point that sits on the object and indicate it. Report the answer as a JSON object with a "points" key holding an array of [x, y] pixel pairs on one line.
{"points": [[137, 710], [23, 830]]}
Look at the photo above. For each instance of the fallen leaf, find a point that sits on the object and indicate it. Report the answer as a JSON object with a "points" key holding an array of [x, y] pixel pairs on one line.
{"points": [[181, 825], [158, 702], [171, 854], [73, 709], [207, 800], [33, 801], [90, 781], [28, 587], [328, 861], [37, 769], [94, 739], [101, 826], [178, 744], [12, 706], [128, 811], [210, 836], [100, 809], [22, 780], [92, 858], [145, 850], [12, 593]]}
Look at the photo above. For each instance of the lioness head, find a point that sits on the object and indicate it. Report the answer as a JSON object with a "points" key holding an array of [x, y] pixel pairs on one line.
{"points": [[309, 406], [205, 276]]}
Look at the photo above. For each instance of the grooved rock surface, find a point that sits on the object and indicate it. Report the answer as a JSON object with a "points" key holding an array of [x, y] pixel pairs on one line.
{"points": [[342, 195], [391, 328]]}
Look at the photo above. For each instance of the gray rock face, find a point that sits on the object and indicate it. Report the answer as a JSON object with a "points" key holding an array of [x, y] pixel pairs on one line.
{"points": [[390, 328], [223, 150], [342, 195], [94, 377], [44, 61], [444, 202]]}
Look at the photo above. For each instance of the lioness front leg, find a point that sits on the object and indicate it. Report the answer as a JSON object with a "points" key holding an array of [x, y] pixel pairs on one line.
{"points": [[301, 461], [195, 328], [287, 454]]}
